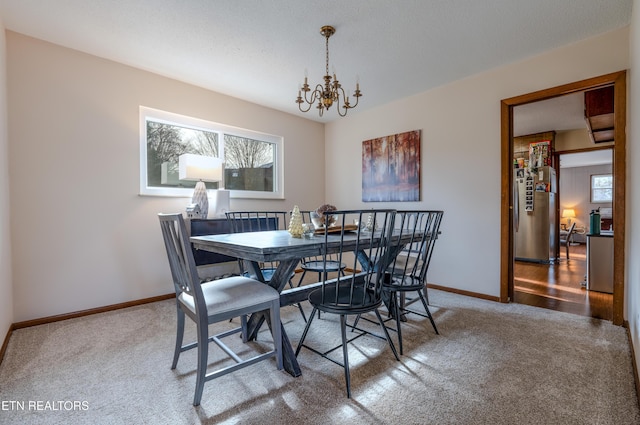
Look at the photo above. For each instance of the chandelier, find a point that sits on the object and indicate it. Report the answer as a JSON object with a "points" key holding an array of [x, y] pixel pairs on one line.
{"points": [[329, 93]]}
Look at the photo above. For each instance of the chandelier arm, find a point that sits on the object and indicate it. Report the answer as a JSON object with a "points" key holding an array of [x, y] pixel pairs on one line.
{"points": [[357, 95], [340, 93], [315, 95], [304, 110]]}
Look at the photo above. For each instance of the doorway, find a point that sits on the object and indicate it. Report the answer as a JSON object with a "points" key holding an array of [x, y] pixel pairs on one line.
{"points": [[618, 80], [561, 285]]}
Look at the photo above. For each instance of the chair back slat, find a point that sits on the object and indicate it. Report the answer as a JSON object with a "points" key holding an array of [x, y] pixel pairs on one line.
{"points": [[257, 221], [360, 249], [180, 256]]}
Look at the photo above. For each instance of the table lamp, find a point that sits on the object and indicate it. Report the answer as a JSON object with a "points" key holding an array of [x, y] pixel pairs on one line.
{"points": [[568, 213], [202, 169], [220, 203]]}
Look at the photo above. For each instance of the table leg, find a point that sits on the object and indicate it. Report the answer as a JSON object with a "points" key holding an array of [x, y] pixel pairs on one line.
{"points": [[278, 281]]}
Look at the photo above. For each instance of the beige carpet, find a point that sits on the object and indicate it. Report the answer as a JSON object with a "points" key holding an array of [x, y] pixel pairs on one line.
{"points": [[492, 364]]}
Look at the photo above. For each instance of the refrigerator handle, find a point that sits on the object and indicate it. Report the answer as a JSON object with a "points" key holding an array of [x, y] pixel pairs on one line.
{"points": [[516, 205]]}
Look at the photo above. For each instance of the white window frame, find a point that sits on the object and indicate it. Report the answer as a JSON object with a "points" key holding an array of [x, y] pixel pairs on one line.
{"points": [[157, 115], [592, 188]]}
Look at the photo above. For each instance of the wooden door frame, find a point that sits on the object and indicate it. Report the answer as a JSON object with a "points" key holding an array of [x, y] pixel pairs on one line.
{"points": [[619, 80]]}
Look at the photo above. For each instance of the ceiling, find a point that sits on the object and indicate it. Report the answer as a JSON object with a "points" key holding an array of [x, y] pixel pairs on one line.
{"points": [[559, 113], [259, 50], [581, 159]]}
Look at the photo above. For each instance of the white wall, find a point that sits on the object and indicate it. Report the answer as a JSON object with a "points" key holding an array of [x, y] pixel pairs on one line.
{"points": [[83, 238], [632, 295], [6, 287], [460, 125], [575, 192]]}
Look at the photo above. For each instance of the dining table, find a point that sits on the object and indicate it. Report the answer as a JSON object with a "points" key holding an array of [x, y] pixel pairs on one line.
{"points": [[287, 251]]}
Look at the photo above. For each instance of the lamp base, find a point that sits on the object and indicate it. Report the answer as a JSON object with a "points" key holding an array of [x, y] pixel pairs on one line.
{"points": [[220, 203], [201, 197]]}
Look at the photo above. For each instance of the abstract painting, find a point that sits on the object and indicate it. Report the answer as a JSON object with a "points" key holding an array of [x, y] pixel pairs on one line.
{"points": [[391, 168]]}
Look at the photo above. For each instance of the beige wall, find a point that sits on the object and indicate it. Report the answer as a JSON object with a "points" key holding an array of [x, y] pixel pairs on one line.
{"points": [[460, 125], [632, 295], [83, 236], [74, 249], [575, 192], [567, 140], [6, 287]]}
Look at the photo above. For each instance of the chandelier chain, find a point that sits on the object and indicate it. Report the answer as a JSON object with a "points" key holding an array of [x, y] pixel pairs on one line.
{"points": [[327, 53]]}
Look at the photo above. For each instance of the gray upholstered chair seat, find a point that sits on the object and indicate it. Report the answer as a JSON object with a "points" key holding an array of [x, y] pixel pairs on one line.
{"points": [[230, 294]]}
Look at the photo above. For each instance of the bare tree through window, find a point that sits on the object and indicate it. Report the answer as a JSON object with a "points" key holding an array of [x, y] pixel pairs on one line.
{"points": [[241, 152], [248, 164], [165, 144]]}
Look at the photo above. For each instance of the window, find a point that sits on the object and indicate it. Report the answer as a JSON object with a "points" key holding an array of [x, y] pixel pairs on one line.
{"points": [[601, 188], [253, 161]]}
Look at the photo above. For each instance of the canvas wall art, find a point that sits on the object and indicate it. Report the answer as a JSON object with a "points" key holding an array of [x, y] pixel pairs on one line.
{"points": [[391, 168]]}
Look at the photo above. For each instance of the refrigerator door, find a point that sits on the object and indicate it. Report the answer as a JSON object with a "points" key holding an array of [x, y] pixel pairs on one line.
{"points": [[535, 235]]}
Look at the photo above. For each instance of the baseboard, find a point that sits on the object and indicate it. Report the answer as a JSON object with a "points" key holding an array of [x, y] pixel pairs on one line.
{"points": [[633, 360], [462, 292], [57, 318], [6, 342]]}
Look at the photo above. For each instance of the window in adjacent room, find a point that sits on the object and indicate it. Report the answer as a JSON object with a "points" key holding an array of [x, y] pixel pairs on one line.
{"points": [[601, 188], [252, 160]]}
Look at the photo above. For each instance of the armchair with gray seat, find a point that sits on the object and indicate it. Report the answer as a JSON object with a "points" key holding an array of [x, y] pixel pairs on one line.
{"points": [[213, 302]]}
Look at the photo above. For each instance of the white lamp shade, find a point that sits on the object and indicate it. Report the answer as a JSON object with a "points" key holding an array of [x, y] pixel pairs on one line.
{"points": [[199, 167], [568, 213]]}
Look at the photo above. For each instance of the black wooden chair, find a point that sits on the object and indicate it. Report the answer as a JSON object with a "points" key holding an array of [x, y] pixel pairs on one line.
{"points": [[317, 264], [212, 302], [408, 270], [361, 291]]}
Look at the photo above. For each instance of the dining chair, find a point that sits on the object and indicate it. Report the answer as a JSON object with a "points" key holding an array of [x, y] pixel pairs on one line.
{"points": [[212, 302], [316, 264], [366, 250], [566, 240], [408, 269], [259, 221]]}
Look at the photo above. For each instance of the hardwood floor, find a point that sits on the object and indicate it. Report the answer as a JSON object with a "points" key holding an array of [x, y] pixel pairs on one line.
{"points": [[559, 286]]}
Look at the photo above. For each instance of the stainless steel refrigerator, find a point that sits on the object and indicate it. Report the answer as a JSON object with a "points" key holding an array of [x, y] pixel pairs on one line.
{"points": [[535, 214]]}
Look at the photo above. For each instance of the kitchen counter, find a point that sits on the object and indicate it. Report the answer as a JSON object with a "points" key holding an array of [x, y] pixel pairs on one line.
{"points": [[600, 262]]}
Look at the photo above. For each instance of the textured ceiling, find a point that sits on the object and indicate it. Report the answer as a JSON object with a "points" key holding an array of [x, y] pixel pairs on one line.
{"points": [[259, 50]]}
